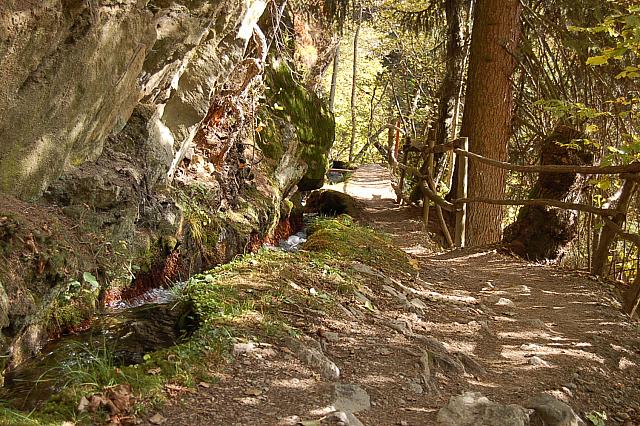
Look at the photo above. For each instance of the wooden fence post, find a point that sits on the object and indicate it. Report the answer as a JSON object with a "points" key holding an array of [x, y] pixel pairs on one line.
{"points": [[461, 193], [426, 203]]}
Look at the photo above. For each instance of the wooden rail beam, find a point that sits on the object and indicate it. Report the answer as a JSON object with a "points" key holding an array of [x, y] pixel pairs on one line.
{"points": [[438, 200], [543, 202], [588, 170]]}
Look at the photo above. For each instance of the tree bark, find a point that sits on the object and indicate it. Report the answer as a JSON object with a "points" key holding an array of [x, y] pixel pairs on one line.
{"points": [[488, 110], [354, 120], [451, 82], [542, 232], [334, 78]]}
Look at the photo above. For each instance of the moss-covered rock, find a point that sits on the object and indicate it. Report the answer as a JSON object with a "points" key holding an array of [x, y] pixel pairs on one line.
{"points": [[292, 110], [343, 238]]}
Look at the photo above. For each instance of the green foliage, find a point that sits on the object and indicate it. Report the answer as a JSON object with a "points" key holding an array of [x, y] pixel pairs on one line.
{"points": [[75, 303], [623, 31], [597, 418]]}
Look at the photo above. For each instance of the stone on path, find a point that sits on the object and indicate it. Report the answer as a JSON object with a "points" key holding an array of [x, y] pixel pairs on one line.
{"points": [[351, 398], [315, 359], [474, 409], [505, 302], [538, 362], [552, 412]]}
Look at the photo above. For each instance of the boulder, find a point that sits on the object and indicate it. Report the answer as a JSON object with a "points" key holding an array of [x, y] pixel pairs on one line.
{"points": [[474, 409], [551, 412]]}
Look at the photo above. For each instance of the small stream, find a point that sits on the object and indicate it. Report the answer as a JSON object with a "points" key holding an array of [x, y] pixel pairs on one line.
{"points": [[117, 337], [122, 334]]}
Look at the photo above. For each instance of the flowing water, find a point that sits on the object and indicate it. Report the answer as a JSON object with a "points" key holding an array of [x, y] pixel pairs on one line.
{"points": [[117, 337]]}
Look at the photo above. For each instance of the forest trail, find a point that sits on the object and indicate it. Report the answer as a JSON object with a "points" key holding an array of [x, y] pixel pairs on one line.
{"points": [[483, 321]]}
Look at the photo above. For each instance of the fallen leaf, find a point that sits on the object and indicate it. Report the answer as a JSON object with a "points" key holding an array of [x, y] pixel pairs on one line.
{"points": [[174, 390], [204, 385], [154, 371]]}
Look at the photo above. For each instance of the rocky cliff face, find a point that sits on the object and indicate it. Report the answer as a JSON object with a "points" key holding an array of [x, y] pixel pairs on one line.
{"points": [[128, 152], [73, 71]]}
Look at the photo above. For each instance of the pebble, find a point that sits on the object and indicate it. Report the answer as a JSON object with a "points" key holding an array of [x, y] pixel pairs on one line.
{"points": [[535, 360], [415, 387], [505, 302]]}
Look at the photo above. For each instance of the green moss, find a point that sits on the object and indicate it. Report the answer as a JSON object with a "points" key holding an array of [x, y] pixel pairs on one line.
{"points": [[73, 307], [290, 102], [341, 237]]}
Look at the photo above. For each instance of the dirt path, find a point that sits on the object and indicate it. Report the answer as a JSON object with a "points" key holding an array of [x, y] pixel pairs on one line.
{"points": [[496, 325]]}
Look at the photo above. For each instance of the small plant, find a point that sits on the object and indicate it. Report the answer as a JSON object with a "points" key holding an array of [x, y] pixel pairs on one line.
{"points": [[597, 418], [91, 366]]}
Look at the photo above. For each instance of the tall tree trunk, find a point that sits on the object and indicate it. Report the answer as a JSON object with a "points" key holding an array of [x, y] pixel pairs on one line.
{"points": [[541, 232], [353, 86], [334, 78], [488, 110], [448, 90]]}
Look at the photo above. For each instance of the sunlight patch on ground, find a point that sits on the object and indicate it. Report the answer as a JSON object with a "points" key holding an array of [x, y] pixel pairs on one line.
{"points": [[320, 412], [523, 352], [365, 184], [293, 383], [585, 295], [462, 346], [376, 379], [417, 250], [525, 335], [420, 410], [625, 363], [504, 319], [483, 384]]}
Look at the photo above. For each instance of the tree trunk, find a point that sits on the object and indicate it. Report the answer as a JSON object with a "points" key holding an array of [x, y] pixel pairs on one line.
{"points": [[334, 78], [488, 110], [542, 232], [353, 87], [607, 234], [450, 84], [632, 297]]}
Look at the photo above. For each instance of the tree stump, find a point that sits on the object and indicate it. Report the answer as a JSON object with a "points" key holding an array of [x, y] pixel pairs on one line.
{"points": [[541, 232]]}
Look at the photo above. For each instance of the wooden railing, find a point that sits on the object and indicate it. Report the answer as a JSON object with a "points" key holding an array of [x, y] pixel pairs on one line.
{"points": [[612, 218]]}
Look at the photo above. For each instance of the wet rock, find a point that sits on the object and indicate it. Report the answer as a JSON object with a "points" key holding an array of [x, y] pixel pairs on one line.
{"points": [[552, 412], [473, 409]]}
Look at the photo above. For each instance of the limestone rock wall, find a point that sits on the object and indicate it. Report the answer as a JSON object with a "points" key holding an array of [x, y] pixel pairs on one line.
{"points": [[73, 71], [110, 111]]}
